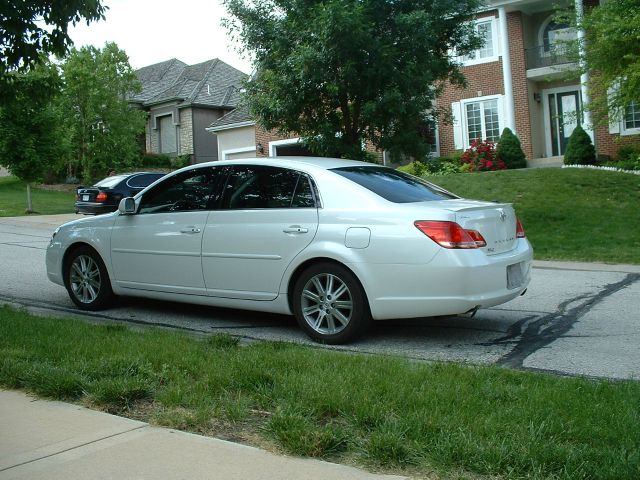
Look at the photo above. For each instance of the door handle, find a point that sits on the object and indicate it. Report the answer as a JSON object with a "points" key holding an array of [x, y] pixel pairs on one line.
{"points": [[190, 230], [295, 229]]}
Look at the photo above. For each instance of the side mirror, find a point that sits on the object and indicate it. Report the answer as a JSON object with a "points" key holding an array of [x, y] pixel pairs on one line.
{"points": [[127, 206]]}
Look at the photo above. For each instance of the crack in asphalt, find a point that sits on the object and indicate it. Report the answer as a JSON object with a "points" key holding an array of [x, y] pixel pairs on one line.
{"points": [[548, 328]]}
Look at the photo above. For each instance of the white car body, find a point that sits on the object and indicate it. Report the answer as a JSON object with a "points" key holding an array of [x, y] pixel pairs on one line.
{"points": [[247, 258]]}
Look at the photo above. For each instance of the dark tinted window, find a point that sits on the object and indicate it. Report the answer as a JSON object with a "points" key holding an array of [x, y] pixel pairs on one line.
{"points": [[303, 196], [394, 186], [265, 187], [191, 190], [143, 180]]}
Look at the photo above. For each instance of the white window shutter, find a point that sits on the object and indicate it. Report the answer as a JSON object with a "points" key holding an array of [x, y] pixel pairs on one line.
{"points": [[456, 115], [614, 117]]}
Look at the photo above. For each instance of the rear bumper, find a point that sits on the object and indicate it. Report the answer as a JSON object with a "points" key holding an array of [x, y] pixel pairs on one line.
{"points": [[94, 208], [454, 282]]}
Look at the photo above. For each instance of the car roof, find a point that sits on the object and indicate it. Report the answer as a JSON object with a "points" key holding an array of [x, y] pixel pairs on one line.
{"points": [[312, 163]]}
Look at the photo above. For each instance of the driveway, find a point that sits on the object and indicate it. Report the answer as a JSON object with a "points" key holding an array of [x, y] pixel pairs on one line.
{"points": [[576, 319]]}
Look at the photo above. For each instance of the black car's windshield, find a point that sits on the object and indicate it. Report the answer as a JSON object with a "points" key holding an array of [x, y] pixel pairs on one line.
{"points": [[110, 182], [392, 185]]}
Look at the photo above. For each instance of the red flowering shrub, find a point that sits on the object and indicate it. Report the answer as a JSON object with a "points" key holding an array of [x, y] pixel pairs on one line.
{"points": [[481, 156]]}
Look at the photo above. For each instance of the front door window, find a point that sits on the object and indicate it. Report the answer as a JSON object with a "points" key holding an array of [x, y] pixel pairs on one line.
{"points": [[565, 116]]}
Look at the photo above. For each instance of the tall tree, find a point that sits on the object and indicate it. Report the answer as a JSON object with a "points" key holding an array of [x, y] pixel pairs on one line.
{"points": [[342, 72], [610, 53], [103, 127], [30, 125], [32, 29]]}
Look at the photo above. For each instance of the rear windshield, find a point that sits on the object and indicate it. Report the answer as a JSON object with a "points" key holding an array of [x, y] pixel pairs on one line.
{"points": [[110, 182], [392, 185]]}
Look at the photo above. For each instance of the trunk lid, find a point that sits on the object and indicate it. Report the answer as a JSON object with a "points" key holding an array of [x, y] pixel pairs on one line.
{"points": [[496, 222]]}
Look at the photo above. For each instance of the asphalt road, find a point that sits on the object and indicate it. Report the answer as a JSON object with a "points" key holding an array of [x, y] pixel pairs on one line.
{"points": [[576, 319]]}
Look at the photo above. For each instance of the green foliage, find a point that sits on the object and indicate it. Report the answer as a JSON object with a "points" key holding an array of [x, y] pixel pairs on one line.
{"points": [[156, 160], [434, 167], [181, 161], [628, 153], [580, 149], [30, 134], [610, 54], [416, 168], [104, 130], [30, 30], [510, 151], [340, 73]]}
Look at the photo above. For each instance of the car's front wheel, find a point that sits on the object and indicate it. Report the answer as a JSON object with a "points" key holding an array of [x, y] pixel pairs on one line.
{"points": [[87, 280], [330, 304]]}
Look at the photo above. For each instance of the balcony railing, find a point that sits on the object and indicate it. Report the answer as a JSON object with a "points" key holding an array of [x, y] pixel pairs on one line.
{"points": [[548, 56]]}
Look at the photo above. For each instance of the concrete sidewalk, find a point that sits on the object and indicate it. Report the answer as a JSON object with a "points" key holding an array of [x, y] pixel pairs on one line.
{"points": [[42, 439]]}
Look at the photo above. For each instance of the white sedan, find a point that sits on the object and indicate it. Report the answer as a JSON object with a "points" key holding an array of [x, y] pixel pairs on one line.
{"points": [[336, 243]]}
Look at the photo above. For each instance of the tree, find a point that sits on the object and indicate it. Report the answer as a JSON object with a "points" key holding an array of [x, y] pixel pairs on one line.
{"points": [[30, 125], [342, 72], [610, 53], [103, 128], [510, 151], [580, 149], [30, 30]]}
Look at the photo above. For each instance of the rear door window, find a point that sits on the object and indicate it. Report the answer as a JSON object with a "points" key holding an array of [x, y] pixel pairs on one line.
{"points": [[392, 185], [253, 187]]}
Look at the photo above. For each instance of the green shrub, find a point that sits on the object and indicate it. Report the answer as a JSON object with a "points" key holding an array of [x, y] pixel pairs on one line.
{"points": [[628, 153], [181, 161], [416, 168], [156, 160], [580, 149], [510, 151]]}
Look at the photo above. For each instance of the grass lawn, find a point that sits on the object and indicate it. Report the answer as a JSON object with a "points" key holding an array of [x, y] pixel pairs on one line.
{"points": [[568, 214], [13, 199], [421, 419]]}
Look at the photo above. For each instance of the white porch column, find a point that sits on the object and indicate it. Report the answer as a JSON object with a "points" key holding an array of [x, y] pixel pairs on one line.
{"points": [[509, 109], [584, 78]]}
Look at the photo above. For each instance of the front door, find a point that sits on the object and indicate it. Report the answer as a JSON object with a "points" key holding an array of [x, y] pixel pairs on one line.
{"points": [[160, 247], [564, 116]]}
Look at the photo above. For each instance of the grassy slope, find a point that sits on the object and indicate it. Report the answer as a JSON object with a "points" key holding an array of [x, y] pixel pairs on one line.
{"points": [[13, 199], [568, 214], [375, 411]]}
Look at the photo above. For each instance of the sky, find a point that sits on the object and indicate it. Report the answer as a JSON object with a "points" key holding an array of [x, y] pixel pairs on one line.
{"points": [[151, 31]]}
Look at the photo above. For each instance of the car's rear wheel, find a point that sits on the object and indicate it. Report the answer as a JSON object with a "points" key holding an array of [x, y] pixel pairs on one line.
{"points": [[330, 304], [87, 280]]}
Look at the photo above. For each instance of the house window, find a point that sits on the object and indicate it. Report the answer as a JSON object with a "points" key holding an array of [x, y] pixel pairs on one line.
{"points": [[167, 134], [632, 117], [482, 120], [487, 30]]}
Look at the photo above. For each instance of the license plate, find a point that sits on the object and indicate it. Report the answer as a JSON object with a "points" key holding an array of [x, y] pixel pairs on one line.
{"points": [[515, 275], [85, 198]]}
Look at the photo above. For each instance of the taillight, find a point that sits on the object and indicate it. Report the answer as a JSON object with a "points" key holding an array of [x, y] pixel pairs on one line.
{"points": [[450, 234], [519, 229], [101, 197]]}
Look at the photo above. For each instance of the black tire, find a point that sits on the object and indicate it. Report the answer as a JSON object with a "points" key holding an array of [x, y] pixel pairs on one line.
{"points": [[87, 280], [330, 304]]}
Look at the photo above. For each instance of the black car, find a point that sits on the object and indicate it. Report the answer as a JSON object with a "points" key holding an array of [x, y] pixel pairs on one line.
{"points": [[105, 195]]}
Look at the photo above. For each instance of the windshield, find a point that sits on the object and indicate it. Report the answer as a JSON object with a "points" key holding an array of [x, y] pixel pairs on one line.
{"points": [[110, 182], [395, 186]]}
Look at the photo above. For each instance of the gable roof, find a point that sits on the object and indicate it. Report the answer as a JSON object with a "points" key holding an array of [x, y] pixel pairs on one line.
{"points": [[238, 117], [212, 83]]}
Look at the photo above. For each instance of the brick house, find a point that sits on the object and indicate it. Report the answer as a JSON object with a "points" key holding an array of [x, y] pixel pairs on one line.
{"points": [[519, 79], [181, 101]]}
